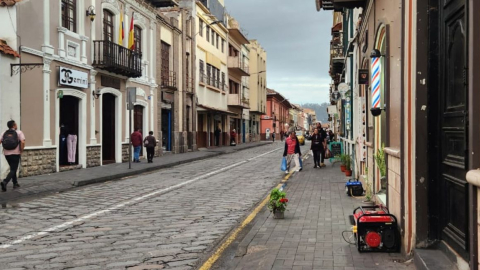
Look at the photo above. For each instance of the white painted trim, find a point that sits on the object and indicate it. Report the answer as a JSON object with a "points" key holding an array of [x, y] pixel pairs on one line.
{"points": [[118, 122], [77, 50], [82, 124], [56, 58]]}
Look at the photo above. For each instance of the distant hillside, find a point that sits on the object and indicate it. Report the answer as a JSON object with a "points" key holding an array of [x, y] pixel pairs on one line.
{"points": [[320, 110]]}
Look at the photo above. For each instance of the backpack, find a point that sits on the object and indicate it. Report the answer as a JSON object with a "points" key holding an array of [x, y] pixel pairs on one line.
{"points": [[10, 139]]}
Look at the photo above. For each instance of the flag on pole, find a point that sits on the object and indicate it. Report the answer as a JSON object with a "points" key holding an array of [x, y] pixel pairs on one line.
{"points": [[131, 41], [121, 33]]}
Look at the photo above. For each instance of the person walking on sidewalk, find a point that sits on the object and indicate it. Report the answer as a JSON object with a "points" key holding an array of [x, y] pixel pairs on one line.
{"points": [[13, 142], [316, 147], [292, 152], [281, 135], [136, 140], [323, 135], [150, 142], [273, 136], [233, 138]]}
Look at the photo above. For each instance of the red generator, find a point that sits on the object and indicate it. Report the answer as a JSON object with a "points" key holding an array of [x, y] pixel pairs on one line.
{"points": [[375, 229]]}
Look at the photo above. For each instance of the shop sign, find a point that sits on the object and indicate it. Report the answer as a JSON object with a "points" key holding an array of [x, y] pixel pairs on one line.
{"points": [[72, 77], [363, 76]]}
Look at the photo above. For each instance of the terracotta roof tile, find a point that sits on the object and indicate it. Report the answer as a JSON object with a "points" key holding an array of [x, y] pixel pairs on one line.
{"points": [[5, 49]]}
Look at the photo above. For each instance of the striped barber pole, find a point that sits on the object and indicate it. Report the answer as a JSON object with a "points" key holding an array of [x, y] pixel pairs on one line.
{"points": [[376, 82]]}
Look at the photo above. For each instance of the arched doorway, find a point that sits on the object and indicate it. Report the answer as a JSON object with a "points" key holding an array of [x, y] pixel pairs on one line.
{"points": [[138, 121], [69, 131], [108, 128]]}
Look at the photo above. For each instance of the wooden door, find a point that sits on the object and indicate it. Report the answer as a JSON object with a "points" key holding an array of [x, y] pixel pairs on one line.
{"points": [[108, 128], [453, 126]]}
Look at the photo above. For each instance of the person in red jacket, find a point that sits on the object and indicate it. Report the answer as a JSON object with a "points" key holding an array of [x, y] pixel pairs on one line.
{"points": [[233, 137], [136, 139]]}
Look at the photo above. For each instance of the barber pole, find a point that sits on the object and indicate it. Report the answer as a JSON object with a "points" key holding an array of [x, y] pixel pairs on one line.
{"points": [[376, 84]]}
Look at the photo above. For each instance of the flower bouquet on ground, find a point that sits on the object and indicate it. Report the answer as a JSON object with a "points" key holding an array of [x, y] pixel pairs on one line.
{"points": [[278, 203]]}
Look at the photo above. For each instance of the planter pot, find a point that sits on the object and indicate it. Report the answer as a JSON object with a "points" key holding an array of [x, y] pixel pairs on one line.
{"points": [[348, 173], [343, 168], [278, 215]]}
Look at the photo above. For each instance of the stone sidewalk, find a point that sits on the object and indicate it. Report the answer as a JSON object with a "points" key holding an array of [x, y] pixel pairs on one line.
{"points": [[310, 236], [62, 181]]}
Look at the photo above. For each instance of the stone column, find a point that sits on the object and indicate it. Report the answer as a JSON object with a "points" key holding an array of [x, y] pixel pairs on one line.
{"points": [[47, 140], [61, 41], [46, 47], [84, 49]]}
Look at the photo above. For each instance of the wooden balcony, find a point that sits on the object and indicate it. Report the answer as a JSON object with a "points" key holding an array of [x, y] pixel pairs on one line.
{"points": [[117, 59], [235, 64]]}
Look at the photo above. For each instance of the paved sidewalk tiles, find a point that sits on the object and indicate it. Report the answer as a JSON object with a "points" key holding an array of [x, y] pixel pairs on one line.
{"points": [[310, 236], [62, 181]]}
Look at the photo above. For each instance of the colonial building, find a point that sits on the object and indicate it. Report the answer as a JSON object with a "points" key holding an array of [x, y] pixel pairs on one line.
{"points": [[277, 117], [212, 74], [257, 89], [237, 63], [73, 108], [176, 53], [418, 100]]}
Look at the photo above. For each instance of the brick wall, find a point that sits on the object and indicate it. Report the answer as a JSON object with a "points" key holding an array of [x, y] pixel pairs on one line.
{"points": [[93, 156]]}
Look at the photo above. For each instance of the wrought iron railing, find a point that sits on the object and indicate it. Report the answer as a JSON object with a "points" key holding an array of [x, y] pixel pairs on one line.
{"points": [[112, 57], [168, 79], [208, 80]]}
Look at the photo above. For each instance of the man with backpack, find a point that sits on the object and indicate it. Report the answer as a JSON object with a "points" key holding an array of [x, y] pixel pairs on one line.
{"points": [[13, 142]]}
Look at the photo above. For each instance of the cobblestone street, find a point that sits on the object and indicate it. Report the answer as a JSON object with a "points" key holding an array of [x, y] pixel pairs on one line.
{"points": [[169, 219]]}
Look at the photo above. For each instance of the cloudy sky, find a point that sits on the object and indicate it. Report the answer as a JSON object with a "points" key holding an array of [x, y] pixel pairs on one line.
{"points": [[296, 38]]}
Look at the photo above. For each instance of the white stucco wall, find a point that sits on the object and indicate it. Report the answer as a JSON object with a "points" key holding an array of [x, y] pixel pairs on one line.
{"points": [[9, 85]]}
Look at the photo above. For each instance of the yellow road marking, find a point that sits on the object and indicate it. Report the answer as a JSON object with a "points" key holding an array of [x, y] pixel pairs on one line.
{"points": [[209, 263]]}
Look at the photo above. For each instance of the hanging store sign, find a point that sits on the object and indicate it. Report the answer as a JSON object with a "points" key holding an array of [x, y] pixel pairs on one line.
{"points": [[363, 76], [72, 77]]}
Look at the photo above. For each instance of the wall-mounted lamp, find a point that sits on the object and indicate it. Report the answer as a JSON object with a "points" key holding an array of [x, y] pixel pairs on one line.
{"points": [[96, 93], [91, 13]]}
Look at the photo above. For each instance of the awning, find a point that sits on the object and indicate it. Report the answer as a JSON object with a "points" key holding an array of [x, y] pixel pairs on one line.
{"points": [[217, 110]]}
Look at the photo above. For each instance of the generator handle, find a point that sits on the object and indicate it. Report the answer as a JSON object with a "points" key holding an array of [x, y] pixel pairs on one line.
{"points": [[385, 209]]}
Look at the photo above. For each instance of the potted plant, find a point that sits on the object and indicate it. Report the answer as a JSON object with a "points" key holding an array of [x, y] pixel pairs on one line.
{"points": [[277, 203], [343, 166], [348, 164], [382, 167]]}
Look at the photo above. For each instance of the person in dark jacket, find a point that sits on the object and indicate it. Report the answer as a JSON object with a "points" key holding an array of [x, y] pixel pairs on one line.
{"points": [[316, 147], [150, 142], [136, 140], [292, 152]]}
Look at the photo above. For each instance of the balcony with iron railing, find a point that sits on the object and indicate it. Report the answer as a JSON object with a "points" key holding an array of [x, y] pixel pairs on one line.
{"points": [[337, 57], [339, 5], [210, 82], [236, 64], [168, 80], [236, 100], [190, 84], [117, 59]]}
